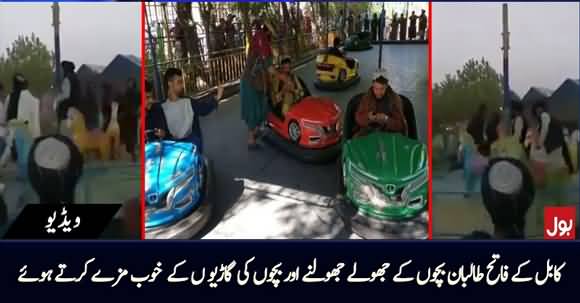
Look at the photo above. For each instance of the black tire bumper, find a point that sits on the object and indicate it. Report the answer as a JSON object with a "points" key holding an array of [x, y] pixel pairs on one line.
{"points": [[336, 85], [315, 156]]}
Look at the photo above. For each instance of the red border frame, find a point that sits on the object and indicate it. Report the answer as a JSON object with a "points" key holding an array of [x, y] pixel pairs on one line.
{"points": [[429, 120], [142, 134]]}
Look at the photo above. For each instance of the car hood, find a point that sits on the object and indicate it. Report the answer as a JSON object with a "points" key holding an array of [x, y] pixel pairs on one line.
{"points": [[168, 163], [387, 157], [316, 109]]}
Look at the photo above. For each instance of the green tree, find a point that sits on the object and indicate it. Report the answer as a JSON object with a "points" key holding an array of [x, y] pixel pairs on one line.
{"points": [[457, 97], [30, 57]]}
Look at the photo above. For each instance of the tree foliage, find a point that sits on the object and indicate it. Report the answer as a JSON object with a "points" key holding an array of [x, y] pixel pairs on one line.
{"points": [[30, 57], [457, 97]]}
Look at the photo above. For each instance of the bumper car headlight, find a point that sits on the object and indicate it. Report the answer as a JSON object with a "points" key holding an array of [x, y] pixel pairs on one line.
{"points": [[315, 127], [181, 194], [409, 193]]}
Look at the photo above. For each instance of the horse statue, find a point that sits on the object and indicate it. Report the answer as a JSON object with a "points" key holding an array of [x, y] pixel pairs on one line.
{"points": [[114, 131], [92, 141]]}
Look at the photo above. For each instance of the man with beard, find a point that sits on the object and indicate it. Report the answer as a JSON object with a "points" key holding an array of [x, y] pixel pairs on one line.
{"points": [[381, 108], [23, 106], [69, 95], [178, 117]]}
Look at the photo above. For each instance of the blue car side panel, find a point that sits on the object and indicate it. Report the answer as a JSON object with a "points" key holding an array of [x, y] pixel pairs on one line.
{"points": [[174, 176]]}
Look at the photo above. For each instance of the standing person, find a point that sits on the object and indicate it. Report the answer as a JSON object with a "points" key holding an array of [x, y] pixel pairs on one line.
{"points": [[230, 31], [375, 27], [339, 24], [413, 26], [394, 28], [403, 28], [476, 125], [129, 118], [382, 22], [367, 23], [178, 117], [2, 105], [3, 129], [253, 95], [359, 23], [473, 162], [23, 106], [422, 25], [350, 22], [2, 93], [70, 93], [551, 137]]}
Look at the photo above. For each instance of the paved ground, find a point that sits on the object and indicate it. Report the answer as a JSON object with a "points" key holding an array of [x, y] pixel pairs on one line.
{"points": [[267, 194], [454, 215]]}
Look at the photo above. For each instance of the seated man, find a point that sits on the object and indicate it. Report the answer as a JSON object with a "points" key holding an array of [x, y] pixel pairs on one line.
{"points": [[334, 49], [380, 108], [178, 117], [286, 88]]}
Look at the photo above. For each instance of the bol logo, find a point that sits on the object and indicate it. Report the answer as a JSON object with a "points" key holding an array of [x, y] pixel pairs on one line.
{"points": [[560, 223]]}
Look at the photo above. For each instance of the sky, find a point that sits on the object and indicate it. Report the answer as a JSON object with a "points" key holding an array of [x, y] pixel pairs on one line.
{"points": [[91, 33], [544, 40]]}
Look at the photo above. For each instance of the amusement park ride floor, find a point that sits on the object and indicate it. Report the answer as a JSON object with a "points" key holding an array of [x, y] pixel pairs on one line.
{"points": [[455, 215], [266, 194]]}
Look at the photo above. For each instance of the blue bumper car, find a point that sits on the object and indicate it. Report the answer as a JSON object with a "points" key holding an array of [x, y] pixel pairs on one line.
{"points": [[177, 183]]}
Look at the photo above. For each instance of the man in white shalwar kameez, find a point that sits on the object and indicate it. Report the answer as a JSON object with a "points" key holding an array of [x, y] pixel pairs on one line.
{"points": [[20, 106], [23, 106]]}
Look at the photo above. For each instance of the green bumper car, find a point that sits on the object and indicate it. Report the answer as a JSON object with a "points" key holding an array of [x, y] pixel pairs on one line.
{"points": [[385, 179]]}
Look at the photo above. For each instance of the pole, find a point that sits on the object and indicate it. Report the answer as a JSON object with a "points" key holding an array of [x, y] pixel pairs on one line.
{"points": [[381, 49], [327, 29], [153, 49], [505, 48], [56, 25]]}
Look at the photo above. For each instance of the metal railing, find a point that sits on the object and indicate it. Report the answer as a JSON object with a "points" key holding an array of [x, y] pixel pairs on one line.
{"points": [[205, 72]]}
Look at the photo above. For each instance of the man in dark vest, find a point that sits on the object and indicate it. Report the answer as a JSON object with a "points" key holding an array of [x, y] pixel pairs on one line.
{"points": [[551, 134], [69, 95]]}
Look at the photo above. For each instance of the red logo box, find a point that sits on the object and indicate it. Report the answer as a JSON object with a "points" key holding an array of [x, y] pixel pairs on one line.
{"points": [[560, 223]]}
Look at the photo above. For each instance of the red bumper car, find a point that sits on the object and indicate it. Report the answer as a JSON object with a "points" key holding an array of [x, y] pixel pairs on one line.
{"points": [[310, 131]]}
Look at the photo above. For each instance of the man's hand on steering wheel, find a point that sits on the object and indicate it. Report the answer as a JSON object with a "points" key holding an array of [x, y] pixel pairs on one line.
{"points": [[381, 118], [159, 133]]}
